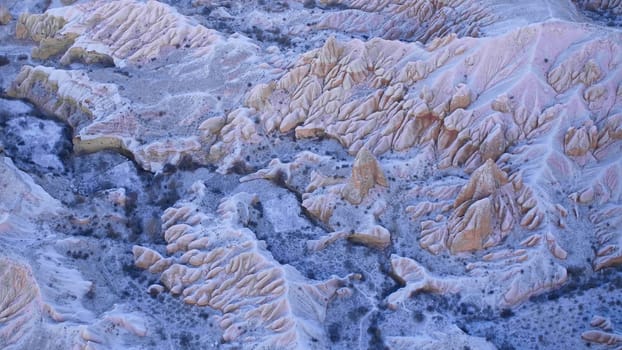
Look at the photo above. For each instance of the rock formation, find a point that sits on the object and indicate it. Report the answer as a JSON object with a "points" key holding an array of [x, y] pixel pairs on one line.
{"points": [[44, 309], [604, 336], [419, 20], [23, 201], [224, 266], [195, 174], [452, 338], [20, 304], [106, 33], [506, 277]]}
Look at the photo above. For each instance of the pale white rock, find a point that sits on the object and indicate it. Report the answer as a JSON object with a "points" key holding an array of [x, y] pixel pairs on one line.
{"points": [[450, 338], [23, 201]]}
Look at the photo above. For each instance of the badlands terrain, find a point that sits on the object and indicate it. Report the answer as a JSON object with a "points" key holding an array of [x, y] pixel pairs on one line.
{"points": [[311, 174]]}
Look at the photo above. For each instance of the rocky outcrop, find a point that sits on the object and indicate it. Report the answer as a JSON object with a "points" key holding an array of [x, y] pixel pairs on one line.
{"points": [[366, 173], [349, 207], [29, 319], [484, 212], [508, 277], [144, 126], [615, 6], [5, 15], [108, 33], [20, 302], [100, 117], [390, 96], [450, 338], [416, 21], [224, 266], [24, 203], [605, 335], [340, 205]]}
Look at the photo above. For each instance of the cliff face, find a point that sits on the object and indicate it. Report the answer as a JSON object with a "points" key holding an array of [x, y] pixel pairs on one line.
{"points": [[310, 174]]}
